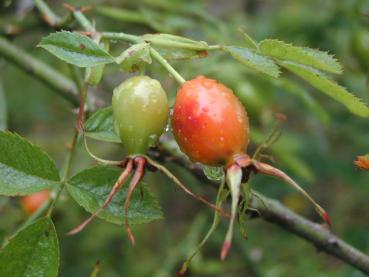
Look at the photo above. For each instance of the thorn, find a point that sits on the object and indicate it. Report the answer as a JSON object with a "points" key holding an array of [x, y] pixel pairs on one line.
{"points": [[327, 219], [69, 7]]}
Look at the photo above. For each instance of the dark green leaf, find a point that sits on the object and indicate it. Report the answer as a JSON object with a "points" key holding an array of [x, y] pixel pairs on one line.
{"points": [[100, 126], [90, 188], [255, 61], [135, 57], [3, 110], [303, 55], [34, 251], [24, 168], [318, 80], [76, 49]]}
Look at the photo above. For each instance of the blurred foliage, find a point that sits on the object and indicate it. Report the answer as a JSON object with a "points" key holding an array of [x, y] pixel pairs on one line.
{"points": [[320, 139]]}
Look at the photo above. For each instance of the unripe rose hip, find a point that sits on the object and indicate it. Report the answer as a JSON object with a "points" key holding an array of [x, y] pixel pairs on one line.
{"points": [[140, 108]]}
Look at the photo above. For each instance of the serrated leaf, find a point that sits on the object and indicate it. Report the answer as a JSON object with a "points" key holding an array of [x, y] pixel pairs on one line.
{"points": [[24, 168], [34, 252], [180, 54], [318, 80], [3, 110], [76, 49], [133, 58], [173, 41], [253, 60], [303, 55], [91, 187], [100, 126]]}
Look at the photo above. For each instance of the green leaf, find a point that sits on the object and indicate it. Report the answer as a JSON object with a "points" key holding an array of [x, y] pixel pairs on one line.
{"points": [[303, 55], [168, 40], [135, 57], [255, 61], [180, 54], [100, 126], [3, 110], [24, 168], [76, 49], [34, 251], [91, 187], [318, 80]]}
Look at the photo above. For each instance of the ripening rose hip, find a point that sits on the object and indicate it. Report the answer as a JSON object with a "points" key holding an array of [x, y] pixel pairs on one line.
{"points": [[32, 202], [209, 122], [211, 126]]}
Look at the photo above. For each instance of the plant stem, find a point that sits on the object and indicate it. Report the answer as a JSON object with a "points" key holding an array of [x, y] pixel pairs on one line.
{"points": [[67, 170], [77, 128], [55, 80], [274, 212], [121, 36], [155, 54], [50, 17], [83, 21]]}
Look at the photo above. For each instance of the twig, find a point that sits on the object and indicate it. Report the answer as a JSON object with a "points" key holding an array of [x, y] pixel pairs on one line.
{"points": [[58, 82], [274, 212]]}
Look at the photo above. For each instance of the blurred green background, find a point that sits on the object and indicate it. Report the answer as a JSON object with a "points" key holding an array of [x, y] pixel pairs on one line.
{"points": [[320, 138]]}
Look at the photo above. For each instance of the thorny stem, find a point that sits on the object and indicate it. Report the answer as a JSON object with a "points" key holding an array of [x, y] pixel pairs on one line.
{"points": [[58, 82], [48, 15]]}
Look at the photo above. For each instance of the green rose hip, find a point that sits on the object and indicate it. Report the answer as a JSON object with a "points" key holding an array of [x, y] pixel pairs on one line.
{"points": [[140, 108]]}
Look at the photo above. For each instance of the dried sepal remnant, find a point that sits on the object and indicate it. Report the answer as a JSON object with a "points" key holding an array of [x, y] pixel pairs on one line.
{"points": [[362, 162]]}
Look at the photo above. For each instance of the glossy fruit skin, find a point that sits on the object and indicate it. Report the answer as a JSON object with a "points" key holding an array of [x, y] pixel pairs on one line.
{"points": [[209, 122], [140, 108], [32, 202]]}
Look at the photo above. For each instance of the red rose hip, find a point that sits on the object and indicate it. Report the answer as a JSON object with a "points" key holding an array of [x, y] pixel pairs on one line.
{"points": [[209, 122]]}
